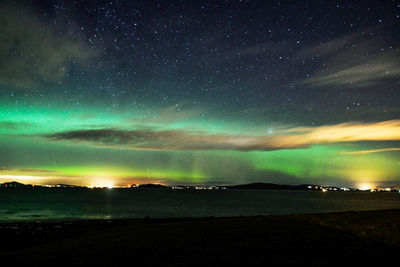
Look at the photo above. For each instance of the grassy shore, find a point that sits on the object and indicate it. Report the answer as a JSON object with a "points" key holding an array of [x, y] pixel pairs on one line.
{"points": [[313, 239]]}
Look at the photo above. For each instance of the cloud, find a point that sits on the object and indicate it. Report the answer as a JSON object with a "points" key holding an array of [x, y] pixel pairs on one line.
{"points": [[355, 60], [363, 58], [360, 75], [365, 152], [299, 137], [148, 139], [34, 52], [349, 132]]}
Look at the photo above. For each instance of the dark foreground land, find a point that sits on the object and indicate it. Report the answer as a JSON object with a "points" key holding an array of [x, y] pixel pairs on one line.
{"points": [[319, 239]]}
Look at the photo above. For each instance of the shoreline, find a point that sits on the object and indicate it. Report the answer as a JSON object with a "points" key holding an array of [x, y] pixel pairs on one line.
{"points": [[356, 235]]}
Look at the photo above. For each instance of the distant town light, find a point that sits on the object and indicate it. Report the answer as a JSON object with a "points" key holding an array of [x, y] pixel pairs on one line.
{"points": [[365, 187]]}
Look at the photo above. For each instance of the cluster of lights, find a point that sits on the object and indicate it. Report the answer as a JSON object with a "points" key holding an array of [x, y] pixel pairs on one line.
{"points": [[199, 187], [209, 187], [362, 187]]}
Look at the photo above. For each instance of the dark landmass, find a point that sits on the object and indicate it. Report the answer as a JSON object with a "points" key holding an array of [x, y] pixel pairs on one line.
{"points": [[358, 238], [151, 186], [251, 186], [15, 185], [259, 186]]}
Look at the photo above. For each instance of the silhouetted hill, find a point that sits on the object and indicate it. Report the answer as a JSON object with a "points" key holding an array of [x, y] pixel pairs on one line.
{"points": [[151, 186], [14, 185]]}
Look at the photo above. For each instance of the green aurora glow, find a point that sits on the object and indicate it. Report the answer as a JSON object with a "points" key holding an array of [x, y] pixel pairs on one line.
{"points": [[26, 153], [173, 101]]}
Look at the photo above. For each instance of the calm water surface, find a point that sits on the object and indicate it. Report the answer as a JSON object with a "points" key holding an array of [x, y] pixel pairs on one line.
{"points": [[55, 204]]}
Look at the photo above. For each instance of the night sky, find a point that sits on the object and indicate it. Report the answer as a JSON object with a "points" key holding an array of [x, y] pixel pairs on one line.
{"points": [[110, 93]]}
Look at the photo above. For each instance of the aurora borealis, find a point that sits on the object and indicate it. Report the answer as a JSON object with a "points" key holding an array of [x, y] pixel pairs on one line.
{"points": [[103, 93]]}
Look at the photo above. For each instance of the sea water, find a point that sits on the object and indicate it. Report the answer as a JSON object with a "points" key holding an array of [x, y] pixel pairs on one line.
{"points": [[66, 204]]}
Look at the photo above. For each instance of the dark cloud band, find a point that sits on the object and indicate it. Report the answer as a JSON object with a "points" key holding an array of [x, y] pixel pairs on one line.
{"points": [[186, 140]]}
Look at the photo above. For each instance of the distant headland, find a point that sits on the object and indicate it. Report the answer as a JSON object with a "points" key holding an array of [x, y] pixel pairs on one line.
{"points": [[250, 186]]}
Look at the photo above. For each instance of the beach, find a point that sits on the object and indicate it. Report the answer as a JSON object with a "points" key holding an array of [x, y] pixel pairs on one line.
{"points": [[302, 239]]}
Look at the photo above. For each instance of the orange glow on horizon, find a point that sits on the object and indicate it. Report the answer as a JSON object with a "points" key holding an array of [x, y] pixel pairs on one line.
{"points": [[365, 186]]}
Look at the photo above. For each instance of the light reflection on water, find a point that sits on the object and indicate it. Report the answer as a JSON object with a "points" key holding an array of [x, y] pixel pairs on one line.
{"points": [[53, 204]]}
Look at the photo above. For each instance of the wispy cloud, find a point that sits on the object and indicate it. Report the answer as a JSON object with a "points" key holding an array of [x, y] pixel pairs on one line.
{"points": [[298, 137], [363, 58], [359, 75], [355, 60], [32, 51], [349, 132]]}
